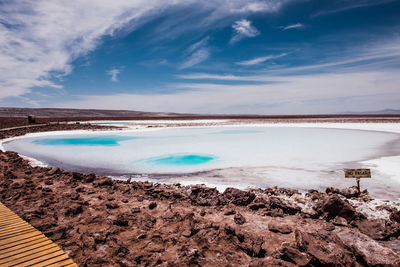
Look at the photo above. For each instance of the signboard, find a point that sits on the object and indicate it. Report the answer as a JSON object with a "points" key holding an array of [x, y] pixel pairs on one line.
{"points": [[357, 173]]}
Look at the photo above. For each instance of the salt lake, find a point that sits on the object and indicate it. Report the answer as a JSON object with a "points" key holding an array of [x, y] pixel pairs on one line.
{"points": [[300, 158]]}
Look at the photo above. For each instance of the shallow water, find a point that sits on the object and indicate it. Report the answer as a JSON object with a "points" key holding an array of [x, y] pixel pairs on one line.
{"points": [[301, 158], [84, 141]]}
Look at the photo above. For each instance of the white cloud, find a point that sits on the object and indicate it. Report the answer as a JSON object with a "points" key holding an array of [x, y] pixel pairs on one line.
{"points": [[364, 82], [293, 26], [348, 5], [113, 73], [200, 44], [196, 53], [196, 58], [259, 60], [206, 76], [243, 29], [40, 39], [322, 93]]}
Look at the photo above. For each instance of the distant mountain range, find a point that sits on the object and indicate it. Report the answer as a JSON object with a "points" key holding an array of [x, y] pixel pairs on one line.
{"points": [[71, 113], [121, 114], [383, 111]]}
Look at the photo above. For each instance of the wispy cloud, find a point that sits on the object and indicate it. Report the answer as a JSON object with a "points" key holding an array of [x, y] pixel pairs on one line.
{"points": [[243, 29], [348, 5], [39, 40], [113, 73], [293, 26], [259, 60], [287, 95], [376, 57], [350, 84], [207, 76], [196, 53]]}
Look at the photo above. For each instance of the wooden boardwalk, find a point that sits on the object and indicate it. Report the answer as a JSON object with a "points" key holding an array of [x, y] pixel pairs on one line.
{"points": [[22, 245]]}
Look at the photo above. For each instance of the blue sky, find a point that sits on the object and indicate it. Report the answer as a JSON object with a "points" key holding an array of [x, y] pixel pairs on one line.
{"points": [[253, 57]]}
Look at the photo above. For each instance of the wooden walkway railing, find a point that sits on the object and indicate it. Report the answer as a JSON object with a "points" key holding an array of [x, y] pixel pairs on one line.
{"points": [[22, 245]]}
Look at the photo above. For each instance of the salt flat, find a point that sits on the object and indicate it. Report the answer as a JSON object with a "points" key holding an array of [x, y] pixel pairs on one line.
{"points": [[294, 155]]}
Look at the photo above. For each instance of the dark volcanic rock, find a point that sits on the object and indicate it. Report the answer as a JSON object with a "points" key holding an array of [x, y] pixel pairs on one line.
{"points": [[315, 194], [395, 215], [89, 178], [122, 220], [53, 171], [372, 253], [324, 249], [112, 205], [152, 205], [238, 197], [279, 227], [77, 176], [74, 209], [229, 212], [284, 205], [204, 196], [379, 229], [346, 192], [333, 206], [239, 219], [104, 181], [295, 256]]}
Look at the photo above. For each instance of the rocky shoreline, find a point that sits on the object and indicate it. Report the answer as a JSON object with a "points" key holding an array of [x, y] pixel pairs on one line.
{"points": [[102, 222], [48, 127]]}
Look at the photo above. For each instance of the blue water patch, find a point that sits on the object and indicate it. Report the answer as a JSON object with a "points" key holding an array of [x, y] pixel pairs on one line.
{"points": [[111, 140], [180, 160], [238, 132]]}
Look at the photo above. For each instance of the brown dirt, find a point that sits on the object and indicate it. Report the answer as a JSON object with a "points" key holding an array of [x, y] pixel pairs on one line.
{"points": [[24, 129], [7, 122], [101, 222]]}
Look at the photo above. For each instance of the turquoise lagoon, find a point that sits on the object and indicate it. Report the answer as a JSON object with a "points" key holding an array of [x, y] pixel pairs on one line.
{"points": [[301, 158], [83, 141]]}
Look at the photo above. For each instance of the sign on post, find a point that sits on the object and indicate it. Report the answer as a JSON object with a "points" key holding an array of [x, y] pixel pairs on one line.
{"points": [[357, 173]]}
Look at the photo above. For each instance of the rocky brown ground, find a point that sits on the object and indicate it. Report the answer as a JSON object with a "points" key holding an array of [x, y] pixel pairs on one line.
{"points": [[10, 119], [22, 130], [101, 222]]}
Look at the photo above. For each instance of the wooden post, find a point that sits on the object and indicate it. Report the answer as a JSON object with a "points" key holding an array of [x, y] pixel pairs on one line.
{"points": [[357, 173]]}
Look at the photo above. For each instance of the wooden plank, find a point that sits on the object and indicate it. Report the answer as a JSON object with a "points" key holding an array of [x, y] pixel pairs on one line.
{"points": [[7, 228], [20, 237], [34, 256], [67, 264], [23, 241], [53, 261], [17, 233], [11, 229], [12, 257], [23, 245], [46, 256], [11, 219], [12, 222], [26, 246]]}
